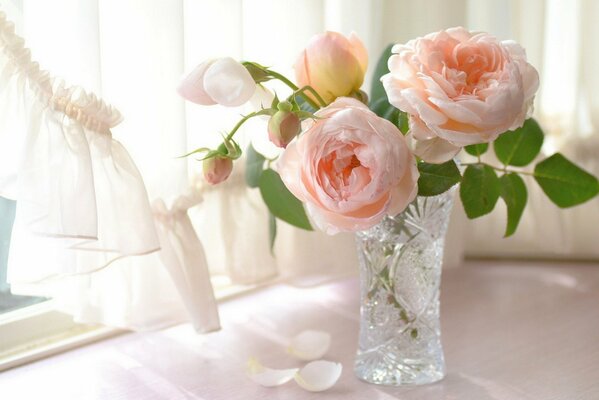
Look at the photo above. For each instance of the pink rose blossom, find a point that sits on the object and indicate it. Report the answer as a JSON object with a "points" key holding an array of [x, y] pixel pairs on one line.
{"points": [[460, 88], [333, 65], [350, 168]]}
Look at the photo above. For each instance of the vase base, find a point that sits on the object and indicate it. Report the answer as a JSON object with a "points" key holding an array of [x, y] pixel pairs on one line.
{"points": [[378, 369]]}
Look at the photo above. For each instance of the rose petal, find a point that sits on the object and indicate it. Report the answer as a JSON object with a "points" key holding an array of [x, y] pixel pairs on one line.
{"points": [[319, 375], [228, 82], [310, 345], [268, 377], [435, 151], [359, 49], [191, 87]]}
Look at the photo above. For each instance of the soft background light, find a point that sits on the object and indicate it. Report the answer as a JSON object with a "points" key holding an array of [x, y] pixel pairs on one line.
{"points": [[132, 53]]}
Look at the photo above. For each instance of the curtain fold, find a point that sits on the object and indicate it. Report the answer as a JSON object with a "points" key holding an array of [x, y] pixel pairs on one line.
{"points": [[183, 256], [84, 233]]}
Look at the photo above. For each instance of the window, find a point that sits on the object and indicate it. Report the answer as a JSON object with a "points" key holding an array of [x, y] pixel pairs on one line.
{"points": [[31, 327], [8, 300]]}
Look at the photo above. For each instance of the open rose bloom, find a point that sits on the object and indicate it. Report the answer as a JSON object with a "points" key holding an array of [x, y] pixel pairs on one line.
{"points": [[350, 167], [459, 88]]}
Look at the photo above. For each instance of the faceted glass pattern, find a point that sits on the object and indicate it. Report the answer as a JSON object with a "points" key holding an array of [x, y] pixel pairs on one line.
{"points": [[400, 272]]}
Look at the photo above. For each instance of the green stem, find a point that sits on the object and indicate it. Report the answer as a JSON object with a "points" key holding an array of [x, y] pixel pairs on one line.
{"points": [[297, 90], [241, 122], [300, 92], [276, 75], [315, 93], [282, 78], [500, 169]]}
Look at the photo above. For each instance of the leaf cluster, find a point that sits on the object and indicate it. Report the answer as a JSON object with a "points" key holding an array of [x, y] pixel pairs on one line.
{"points": [[564, 183]]}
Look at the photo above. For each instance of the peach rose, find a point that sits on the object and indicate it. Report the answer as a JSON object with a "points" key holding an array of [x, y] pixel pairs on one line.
{"points": [[350, 168], [460, 88], [333, 65]]}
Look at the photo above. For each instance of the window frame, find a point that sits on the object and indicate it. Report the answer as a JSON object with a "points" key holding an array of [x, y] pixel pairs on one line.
{"points": [[40, 330], [52, 332]]}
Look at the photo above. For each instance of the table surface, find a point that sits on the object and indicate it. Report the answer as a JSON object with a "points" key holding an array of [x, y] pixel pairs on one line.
{"points": [[510, 331]]}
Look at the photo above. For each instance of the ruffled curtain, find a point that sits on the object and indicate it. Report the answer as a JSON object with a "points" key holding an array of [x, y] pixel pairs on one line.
{"points": [[84, 232]]}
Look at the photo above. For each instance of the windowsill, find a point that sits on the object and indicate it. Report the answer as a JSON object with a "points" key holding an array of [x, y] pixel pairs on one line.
{"points": [[511, 330], [62, 334], [38, 331]]}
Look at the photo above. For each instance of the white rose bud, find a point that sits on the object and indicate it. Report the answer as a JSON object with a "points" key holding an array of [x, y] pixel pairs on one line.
{"points": [[221, 81]]}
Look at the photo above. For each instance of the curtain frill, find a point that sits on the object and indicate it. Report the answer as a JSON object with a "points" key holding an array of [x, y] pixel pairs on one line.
{"points": [[84, 232]]}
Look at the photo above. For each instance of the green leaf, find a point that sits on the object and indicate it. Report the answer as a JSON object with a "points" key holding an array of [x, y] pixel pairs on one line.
{"points": [[254, 166], [514, 194], [383, 109], [564, 182], [230, 148], [521, 146], [257, 72], [477, 150], [379, 102], [272, 232], [281, 202], [391, 113], [437, 178], [377, 91], [404, 123], [275, 102], [479, 190]]}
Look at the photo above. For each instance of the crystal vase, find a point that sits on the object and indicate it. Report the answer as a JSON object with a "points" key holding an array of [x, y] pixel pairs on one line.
{"points": [[400, 273]]}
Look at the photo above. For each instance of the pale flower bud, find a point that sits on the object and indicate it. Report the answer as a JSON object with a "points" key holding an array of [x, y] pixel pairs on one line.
{"points": [[333, 65], [283, 127], [218, 81], [217, 169]]}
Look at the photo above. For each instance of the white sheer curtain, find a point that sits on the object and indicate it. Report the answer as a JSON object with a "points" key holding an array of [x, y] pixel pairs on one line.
{"points": [[133, 52], [559, 36]]}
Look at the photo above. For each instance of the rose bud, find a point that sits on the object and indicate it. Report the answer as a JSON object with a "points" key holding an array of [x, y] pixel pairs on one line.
{"points": [[283, 127], [221, 81], [333, 65], [217, 169]]}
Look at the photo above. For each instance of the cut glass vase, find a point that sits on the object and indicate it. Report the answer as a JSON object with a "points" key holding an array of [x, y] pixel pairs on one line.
{"points": [[400, 273]]}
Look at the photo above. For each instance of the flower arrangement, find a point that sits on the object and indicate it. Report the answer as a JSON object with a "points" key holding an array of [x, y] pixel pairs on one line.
{"points": [[379, 165], [349, 159]]}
